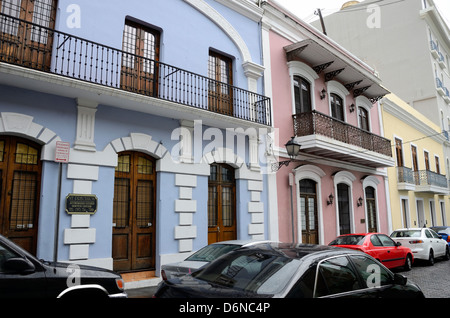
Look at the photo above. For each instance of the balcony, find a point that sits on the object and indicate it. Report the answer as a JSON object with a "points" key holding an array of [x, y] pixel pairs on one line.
{"points": [[46, 50], [326, 136], [421, 181], [442, 90]]}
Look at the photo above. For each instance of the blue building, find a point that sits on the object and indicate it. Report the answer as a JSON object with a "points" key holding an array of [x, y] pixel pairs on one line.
{"points": [[131, 133]]}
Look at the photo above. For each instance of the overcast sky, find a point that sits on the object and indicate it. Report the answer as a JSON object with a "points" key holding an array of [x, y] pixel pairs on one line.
{"points": [[305, 9]]}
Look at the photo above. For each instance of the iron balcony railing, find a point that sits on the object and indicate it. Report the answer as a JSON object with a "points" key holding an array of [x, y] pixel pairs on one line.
{"points": [[316, 123], [421, 177], [34, 46]]}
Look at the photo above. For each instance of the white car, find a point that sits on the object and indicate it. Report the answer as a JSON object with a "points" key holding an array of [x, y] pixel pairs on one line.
{"points": [[423, 242], [203, 257]]}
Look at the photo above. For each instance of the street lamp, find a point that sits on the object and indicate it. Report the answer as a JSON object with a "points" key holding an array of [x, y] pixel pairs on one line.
{"points": [[293, 150]]}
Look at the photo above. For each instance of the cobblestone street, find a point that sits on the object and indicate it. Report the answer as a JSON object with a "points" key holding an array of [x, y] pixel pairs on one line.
{"points": [[433, 280]]}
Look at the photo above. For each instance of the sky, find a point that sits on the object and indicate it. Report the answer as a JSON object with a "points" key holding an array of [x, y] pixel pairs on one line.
{"points": [[304, 9]]}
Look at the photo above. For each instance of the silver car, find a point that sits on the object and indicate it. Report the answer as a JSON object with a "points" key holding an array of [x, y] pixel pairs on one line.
{"points": [[202, 257]]}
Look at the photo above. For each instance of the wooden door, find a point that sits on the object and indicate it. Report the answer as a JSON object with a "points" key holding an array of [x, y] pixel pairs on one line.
{"points": [[221, 204], [134, 217], [372, 223], [220, 92], [20, 179], [140, 62], [28, 41], [308, 210], [344, 208]]}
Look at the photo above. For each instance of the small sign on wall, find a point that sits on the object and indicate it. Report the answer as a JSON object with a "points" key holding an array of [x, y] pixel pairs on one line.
{"points": [[81, 204], [62, 152]]}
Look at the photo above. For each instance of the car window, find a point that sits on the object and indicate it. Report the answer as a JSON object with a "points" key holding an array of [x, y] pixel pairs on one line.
{"points": [[256, 272], [428, 234], [5, 254], [434, 234], [406, 233], [375, 241], [349, 240], [211, 252], [386, 240], [372, 273], [336, 276]]}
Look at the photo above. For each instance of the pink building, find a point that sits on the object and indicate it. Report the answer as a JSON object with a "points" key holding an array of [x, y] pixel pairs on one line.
{"points": [[328, 100]]}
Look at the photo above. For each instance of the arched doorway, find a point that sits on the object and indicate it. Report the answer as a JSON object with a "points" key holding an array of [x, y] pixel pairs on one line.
{"points": [[20, 180], [134, 212], [221, 204], [308, 211]]}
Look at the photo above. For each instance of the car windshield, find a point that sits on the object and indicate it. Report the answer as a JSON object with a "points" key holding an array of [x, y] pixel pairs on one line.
{"points": [[251, 271], [211, 252], [349, 240], [406, 233]]}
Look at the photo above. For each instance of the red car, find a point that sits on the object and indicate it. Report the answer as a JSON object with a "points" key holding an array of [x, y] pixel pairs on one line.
{"points": [[379, 246]]}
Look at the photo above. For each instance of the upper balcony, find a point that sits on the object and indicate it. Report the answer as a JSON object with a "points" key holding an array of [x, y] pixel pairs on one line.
{"points": [[421, 181], [38, 48], [326, 136]]}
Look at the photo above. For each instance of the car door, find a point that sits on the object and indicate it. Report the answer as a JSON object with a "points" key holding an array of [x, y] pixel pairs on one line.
{"points": [[380, 251], [19, 278], [394, 256], [438, 244]]}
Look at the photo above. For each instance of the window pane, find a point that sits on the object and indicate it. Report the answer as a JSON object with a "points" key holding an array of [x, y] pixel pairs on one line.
{"points": [[144, 203], [123, 164], [212, 206], [145, 166], [129, 45], [23, 200], [12, 8], [2, 150], [227, 206], [42, 16], [26, 154], [338, 276], [121, 205]]}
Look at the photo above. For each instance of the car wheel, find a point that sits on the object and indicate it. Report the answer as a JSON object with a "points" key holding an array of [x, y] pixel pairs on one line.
{"points": [[431, 258], [447, 254], [408, 263]]}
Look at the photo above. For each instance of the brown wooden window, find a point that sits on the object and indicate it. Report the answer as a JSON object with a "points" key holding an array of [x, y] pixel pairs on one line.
{"points": [[140, 61], [220, 97], [399, 152], [438, 166], [337, 107], [363, 115], [302, 95], [24, 43]]}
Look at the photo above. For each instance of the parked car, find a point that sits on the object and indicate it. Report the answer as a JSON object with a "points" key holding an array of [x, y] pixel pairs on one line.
{"points": [[291, 271], [379, 246], [425, 244], [202, 257], [443, 231], [24, 276]]}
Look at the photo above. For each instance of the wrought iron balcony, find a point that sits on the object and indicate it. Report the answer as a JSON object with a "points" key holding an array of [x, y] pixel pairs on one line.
{"points": [[33, 46], [316, 123], [421, 180]]}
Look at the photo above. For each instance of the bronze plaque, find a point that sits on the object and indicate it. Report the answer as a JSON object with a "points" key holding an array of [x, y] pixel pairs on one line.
{"points": [[81, 204]]}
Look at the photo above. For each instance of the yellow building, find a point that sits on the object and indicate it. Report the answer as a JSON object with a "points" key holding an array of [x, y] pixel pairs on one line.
{"points": [[418, 186]]}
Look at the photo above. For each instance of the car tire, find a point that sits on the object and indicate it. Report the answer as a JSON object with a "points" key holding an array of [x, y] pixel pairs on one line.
{"points": [[408, 263], [447, 254], [431, 258]]}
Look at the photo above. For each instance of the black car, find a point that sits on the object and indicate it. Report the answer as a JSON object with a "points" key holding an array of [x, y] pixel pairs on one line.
{"points": [[291, 271], [24, 276]]}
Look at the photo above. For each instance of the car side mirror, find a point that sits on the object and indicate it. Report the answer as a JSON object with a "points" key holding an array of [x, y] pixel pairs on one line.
{"points": [[19, 265], [397, 244], [400, 279]]}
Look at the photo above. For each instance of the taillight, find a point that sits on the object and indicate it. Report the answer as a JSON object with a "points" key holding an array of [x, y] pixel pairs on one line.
{"points": [[448, 238], [120, 283], [415, 242]]}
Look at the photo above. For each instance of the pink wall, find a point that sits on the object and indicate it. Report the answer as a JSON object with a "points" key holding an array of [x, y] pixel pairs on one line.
{"points": [[282, 103]]}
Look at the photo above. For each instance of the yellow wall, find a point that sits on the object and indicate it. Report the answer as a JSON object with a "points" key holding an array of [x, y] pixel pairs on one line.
{"points": [[398, 125]]}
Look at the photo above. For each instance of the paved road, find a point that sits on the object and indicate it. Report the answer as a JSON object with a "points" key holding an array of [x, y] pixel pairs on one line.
{"points": [[433, 280]]}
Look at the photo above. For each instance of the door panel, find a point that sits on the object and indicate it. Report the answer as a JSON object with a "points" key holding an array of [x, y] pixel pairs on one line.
{"points": [[221, 204], [20, 171], [134, 213], [308, 210]]}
